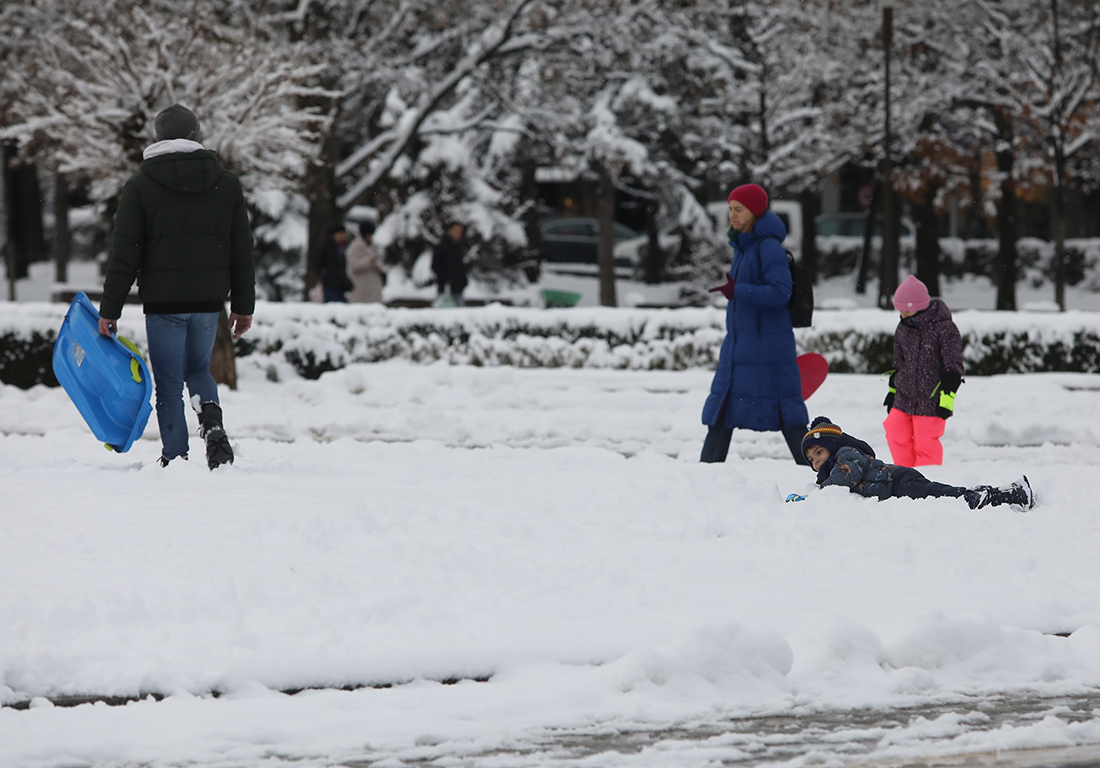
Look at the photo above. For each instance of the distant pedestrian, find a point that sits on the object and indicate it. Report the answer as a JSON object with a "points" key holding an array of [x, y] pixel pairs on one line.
{"points": [[182, 231], [757, 385], [928, 369], [331, 265], [449, 263], [365, 267]]}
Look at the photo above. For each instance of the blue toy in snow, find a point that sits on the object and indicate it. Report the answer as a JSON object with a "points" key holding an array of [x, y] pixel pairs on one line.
{"points": [[105, 377]]}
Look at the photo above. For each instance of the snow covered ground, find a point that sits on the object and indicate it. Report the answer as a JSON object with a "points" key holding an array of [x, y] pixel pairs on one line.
{"points": [[543, 574], [551, 532]]}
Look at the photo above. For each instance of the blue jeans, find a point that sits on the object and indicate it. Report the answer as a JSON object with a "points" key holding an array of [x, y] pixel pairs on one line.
{"points": [[179, 352]]}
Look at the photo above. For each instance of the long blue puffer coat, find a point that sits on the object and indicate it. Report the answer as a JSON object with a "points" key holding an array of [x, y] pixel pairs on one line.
{"points": [[757, 385]]}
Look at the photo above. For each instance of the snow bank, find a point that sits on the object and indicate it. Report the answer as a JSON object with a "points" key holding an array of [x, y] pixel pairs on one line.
{"points": [[318, 338]]}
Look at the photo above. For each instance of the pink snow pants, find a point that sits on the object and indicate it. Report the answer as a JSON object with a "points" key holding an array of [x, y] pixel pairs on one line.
{"points": [[914, 440]]}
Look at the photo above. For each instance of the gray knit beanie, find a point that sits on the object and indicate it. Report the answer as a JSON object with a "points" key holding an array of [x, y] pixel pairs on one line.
{"points": [[177, 122]]}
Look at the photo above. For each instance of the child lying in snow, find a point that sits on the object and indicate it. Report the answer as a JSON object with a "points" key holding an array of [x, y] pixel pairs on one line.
{"points": [[841, 459]]}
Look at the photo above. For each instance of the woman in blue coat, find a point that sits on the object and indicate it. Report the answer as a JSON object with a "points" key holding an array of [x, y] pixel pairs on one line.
{"points": [[757, 385]]}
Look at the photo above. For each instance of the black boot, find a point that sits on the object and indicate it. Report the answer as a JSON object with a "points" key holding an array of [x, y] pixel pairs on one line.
{"points": [[980, 496], [1018, 493], [218, 450]]}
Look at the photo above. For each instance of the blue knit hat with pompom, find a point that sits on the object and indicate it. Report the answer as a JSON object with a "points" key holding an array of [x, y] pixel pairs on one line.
{"points": [[824, 433]]}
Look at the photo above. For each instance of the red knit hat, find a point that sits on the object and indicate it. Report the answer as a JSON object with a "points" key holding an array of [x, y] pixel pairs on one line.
{"points": [[753, 197], [911, 296]]}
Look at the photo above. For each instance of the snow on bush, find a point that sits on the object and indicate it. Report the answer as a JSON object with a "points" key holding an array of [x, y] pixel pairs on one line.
{"points": [[315, 339]]}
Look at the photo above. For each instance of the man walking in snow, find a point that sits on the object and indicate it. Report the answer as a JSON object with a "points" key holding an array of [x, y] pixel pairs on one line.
{"points": [[449, 263], [182, 232]]}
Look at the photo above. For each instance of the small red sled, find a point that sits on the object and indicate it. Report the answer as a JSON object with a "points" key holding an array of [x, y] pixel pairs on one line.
{"points": [[813, 368]]}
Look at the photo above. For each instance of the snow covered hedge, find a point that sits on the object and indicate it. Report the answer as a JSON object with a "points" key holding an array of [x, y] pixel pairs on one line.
{"points": [[840, 255], [315, 338]]}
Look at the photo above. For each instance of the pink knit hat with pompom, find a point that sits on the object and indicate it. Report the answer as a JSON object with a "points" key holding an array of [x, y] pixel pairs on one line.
{"points": [[911, 296]]}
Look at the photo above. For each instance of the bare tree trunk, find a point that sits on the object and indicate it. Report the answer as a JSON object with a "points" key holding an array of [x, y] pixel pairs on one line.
{"points": [[62, 234], [811, 207], [1058, 206], [26, 233], [868, 234], [530, 195], [223, 360], [891, 232], [928, 241], [605, 247], [891, 204], [1004, 269], [7, 249], [975, 220], [1058, 225], [655, 260], [323, 213]]}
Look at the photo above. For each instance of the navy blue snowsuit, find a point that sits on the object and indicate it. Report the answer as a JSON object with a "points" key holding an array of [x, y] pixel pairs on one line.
{"points": [[861, 473]]}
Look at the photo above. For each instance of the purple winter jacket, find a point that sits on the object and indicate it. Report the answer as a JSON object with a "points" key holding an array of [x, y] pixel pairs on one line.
{"points": [[925, 346]]}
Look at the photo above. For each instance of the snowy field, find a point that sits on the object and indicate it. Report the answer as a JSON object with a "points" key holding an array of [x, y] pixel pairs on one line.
{"points": [[548, 539], [504, 568]]}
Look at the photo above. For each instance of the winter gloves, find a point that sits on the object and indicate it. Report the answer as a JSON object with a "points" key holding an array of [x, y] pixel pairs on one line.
{"points": [[727, 289], [945, 392]]}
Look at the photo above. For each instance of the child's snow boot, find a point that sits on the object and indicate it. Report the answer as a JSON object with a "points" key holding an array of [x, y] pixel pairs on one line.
{"points": [[1025, 497], [978, 497], [218, 450], [1018, 493]]}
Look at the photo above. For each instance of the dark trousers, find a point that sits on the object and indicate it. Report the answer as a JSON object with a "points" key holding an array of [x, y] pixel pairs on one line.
{"points": [[909, 482], [717, 445]]}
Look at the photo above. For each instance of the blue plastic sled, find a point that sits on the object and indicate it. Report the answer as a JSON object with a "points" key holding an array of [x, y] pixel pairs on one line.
{"points": [[106, 378]]}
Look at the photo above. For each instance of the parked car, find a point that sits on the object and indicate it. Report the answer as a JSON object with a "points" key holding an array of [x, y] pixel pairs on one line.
{"points": [[852, 224], [575, 241], [632, 251]]}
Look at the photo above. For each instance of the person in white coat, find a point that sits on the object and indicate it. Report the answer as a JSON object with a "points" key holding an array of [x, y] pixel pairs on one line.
{"points": [[365, 267]]}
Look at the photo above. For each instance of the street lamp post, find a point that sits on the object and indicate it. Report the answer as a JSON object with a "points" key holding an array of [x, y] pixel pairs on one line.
{"points": [[888, 264]]}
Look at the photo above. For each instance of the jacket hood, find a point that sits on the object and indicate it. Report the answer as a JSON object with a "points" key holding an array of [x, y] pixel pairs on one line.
{"points": [[937, 312], [184, 172], [767, 226], [844, 441]]}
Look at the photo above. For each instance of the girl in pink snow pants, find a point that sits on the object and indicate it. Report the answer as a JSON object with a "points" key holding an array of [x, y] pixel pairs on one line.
{"points": [[928, 369]]}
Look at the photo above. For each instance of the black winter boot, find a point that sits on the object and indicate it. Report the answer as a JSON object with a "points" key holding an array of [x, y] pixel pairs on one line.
{"points": [[218, 450], [1018, 493], [978, 497]]}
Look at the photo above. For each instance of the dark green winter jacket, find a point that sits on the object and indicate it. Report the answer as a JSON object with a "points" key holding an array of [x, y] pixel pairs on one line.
{"points": [[182, 231]]}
